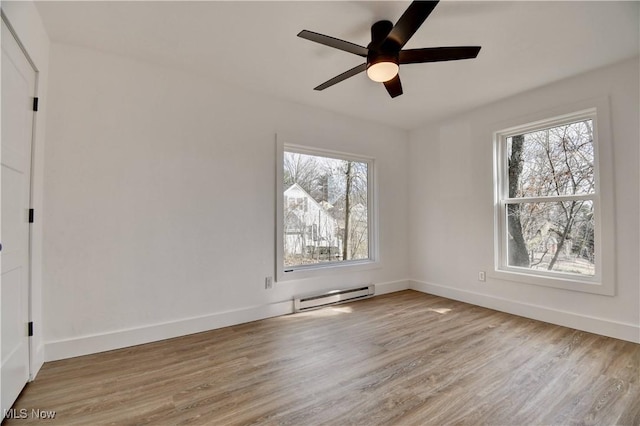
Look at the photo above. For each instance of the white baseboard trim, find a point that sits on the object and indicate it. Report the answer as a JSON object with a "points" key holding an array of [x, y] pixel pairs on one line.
{"points": [[392, 287], [85, 345], [37, 361], [615, 329]]}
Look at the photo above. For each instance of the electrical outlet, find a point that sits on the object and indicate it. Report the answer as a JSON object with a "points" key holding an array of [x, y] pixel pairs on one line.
{"points": [[482, 276], [268, 283]]}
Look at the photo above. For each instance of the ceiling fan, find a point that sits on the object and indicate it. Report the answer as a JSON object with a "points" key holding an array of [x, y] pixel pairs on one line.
{"points": [[385, 55]]}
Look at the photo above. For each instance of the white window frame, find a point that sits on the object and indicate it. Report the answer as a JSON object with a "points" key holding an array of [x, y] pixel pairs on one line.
{"points": [[310, 271], [603, 282]]}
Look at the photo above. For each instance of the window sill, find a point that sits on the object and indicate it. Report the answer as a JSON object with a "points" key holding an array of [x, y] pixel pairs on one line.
{"points": [[566, 283], [320, 270]]}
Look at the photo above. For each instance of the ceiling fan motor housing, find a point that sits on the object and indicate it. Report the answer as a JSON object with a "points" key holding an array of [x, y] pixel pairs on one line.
{"points": [[379, 49], [379, 32]]}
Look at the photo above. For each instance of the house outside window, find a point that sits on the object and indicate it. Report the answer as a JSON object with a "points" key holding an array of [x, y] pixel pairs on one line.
{"points": [[549, 221]]}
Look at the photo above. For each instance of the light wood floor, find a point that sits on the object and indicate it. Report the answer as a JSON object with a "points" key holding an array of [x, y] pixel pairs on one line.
{"points": [[401, 359]]}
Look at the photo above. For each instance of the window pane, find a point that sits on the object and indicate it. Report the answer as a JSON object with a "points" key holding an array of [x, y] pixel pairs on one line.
{"points": [[554, 161], [325, 210], [552, 236]]}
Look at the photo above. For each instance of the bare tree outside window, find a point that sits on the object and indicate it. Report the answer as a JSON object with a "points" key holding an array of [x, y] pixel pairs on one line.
{"points": [[550, 200], [325, 209]]}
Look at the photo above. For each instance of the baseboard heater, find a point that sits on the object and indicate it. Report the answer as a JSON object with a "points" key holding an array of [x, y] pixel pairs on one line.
{"points": [[334, 297]]}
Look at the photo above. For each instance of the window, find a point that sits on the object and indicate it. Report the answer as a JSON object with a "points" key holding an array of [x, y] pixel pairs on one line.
{"points": [[548, 215], [324, 211]]}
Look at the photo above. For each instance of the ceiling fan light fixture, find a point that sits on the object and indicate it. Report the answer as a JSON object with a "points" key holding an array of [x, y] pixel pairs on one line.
{"points": [[382, 71]]}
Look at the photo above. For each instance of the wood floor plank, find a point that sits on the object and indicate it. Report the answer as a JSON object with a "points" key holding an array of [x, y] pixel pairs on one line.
{"points": [[405, 358]]}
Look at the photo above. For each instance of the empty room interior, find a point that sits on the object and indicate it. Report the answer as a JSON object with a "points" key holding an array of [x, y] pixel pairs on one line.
{"points": [[320, 213]]}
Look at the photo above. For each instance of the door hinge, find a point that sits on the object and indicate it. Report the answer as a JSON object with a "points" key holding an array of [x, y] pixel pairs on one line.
{"points": [[35, 103], [30, 215], [30, 325]]}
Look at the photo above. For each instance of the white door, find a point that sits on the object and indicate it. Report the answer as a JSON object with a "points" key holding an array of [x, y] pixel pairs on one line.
{"points": [[18, 89]]}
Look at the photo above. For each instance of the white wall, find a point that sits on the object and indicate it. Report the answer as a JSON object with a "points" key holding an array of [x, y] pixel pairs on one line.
{"points": [[451, 207], [160, 202], [25, 20]]}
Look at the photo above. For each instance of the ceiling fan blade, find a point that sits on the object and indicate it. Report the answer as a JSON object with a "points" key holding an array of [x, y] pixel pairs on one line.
{"points": [[409, 23], [438, 54], [393, 86], [336, 43], [345, 75]]}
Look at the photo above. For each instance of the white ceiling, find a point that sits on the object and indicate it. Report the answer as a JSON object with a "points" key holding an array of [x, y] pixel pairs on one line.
{"points": [[254, 45]]}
